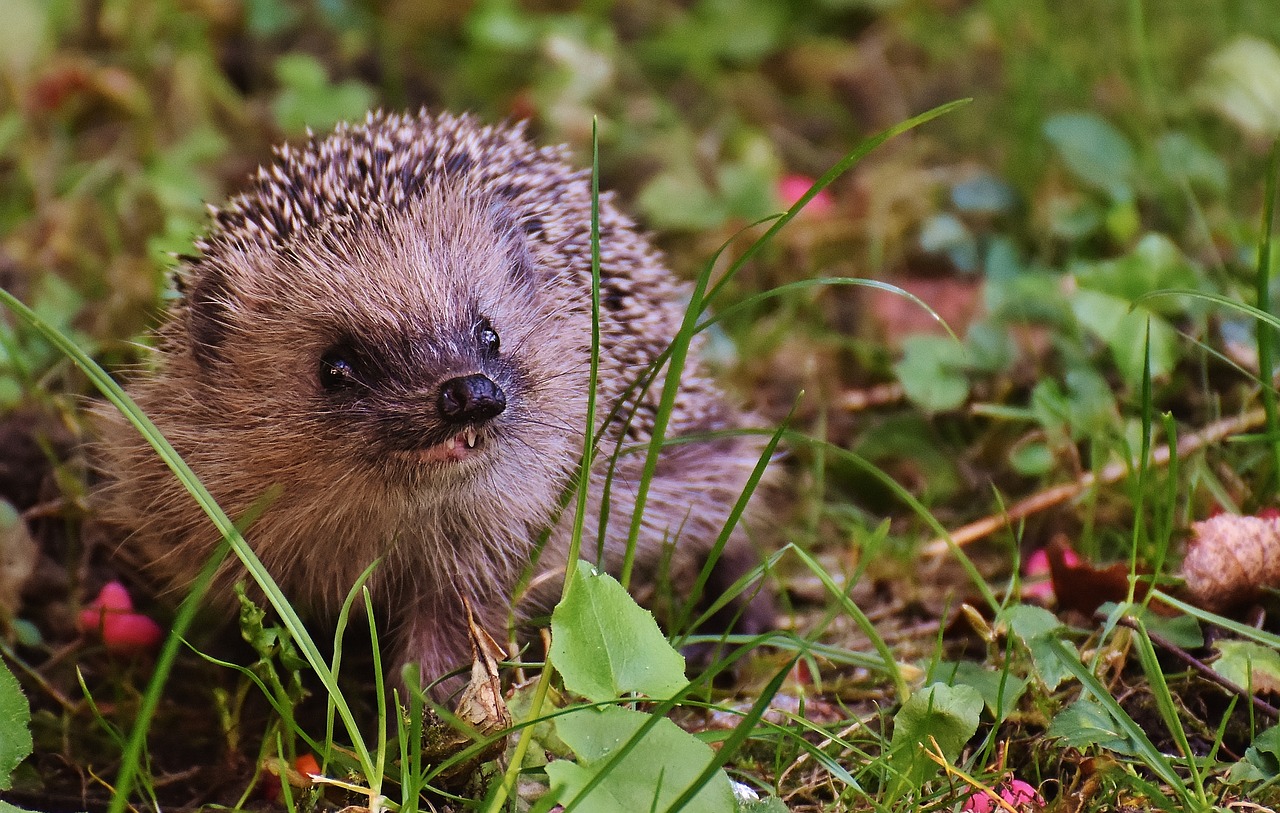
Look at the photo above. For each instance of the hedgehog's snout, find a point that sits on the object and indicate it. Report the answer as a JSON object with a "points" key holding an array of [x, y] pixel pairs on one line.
{"points": [[470, 399]]}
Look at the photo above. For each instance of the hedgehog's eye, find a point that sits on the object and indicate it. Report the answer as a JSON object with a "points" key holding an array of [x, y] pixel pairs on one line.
{"points": [[337, 372], [488, 338]]}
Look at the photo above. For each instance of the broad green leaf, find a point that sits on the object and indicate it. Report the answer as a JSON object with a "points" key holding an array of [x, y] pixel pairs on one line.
{"points": [[1032, 459], [1249, 666], [652, 775], [741, 30], [15, 719], [308, 99], [1087, 408], [1155, 263], [1033, 626], [947, 715], [999, 689], [1124, 330], [1181, 630], [680, 200], [606, 646], [1085, 723], [1095, 152], [769, 804], [1261, 759], [502, 25], [1184, 159], [932, 372]]}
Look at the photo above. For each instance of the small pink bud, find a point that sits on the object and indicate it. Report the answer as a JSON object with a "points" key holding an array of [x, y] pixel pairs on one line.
{"points": [[793, 187], [130, 634], [114, 597], [1020, 795], [123, 631], [979, 802]]}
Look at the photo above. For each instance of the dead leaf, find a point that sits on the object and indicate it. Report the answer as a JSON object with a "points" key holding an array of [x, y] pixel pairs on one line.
{"points": [[1083, 587], [1230, 559], [18, 553]]}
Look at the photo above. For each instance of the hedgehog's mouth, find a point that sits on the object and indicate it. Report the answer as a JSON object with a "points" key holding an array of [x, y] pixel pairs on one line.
{"points": [[463, 446]]}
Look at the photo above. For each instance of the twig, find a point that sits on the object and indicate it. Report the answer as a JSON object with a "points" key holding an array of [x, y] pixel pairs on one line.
{"points": [[1205, 670], [876, 396], [1111, 473]]}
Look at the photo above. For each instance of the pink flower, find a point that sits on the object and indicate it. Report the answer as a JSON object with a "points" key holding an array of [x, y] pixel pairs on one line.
{"points": [[793, 187], [123, 631], [1037, 575], [1036, 581], [1019, 795]]}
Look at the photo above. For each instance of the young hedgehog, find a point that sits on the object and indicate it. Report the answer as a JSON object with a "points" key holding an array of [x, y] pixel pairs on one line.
{"points": [[387, 338]]}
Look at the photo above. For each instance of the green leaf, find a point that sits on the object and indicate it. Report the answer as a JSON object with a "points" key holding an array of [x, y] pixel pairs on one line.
{"points": [[1095, 152], [1085, 723], [1034, 627], [15, 720], [308, 99], [606, 646], [932, 372], [1155, 263], [268, 17], [1000, 690], [741, 30], [769, 804], [947, 715], [1032, 459], [1181, 630], [652, 775], [1124, 330], [1186, 160], [1248, 665], [676, 200], [503, 26], [1261, 760]]}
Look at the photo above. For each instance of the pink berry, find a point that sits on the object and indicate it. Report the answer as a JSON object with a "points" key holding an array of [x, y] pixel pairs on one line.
{"points": [[130, 634], [123, 631], [114, 597]]}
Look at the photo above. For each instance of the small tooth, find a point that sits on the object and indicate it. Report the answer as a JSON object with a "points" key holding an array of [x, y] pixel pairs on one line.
{"points": [[470, 435]]}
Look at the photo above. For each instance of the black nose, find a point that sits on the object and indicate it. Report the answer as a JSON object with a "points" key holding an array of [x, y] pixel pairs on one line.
{"points": [[471, 399]]}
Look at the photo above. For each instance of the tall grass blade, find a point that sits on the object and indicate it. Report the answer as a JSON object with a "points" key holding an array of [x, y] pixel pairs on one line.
{"points": [[703, 294]]}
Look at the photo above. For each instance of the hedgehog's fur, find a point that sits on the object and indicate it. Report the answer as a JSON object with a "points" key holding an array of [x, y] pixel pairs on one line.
{"points": [[391, 241]]}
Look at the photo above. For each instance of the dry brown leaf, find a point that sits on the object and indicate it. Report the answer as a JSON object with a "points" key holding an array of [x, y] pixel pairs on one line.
{"points": [[481, 705], [481, 710], [1082, 586], [1231, 559], [18, 554]]}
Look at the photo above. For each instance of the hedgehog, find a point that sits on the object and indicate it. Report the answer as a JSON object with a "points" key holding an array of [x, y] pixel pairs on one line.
{"points": [[381, 351]]}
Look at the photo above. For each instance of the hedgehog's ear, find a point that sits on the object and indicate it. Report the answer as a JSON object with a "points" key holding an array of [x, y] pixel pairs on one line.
{"points": [[208, 300], [512, 236]]}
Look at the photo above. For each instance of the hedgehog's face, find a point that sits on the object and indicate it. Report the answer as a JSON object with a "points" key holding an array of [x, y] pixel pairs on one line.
{"points": [[424, 350]]}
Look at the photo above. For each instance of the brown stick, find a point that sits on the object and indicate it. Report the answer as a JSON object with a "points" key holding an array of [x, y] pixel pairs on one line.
{"points": [[1205, 670], [1111, 473]]}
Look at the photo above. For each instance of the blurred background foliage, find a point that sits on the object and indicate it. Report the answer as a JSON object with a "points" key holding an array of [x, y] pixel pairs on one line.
{"points": [[1111, 149]]}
